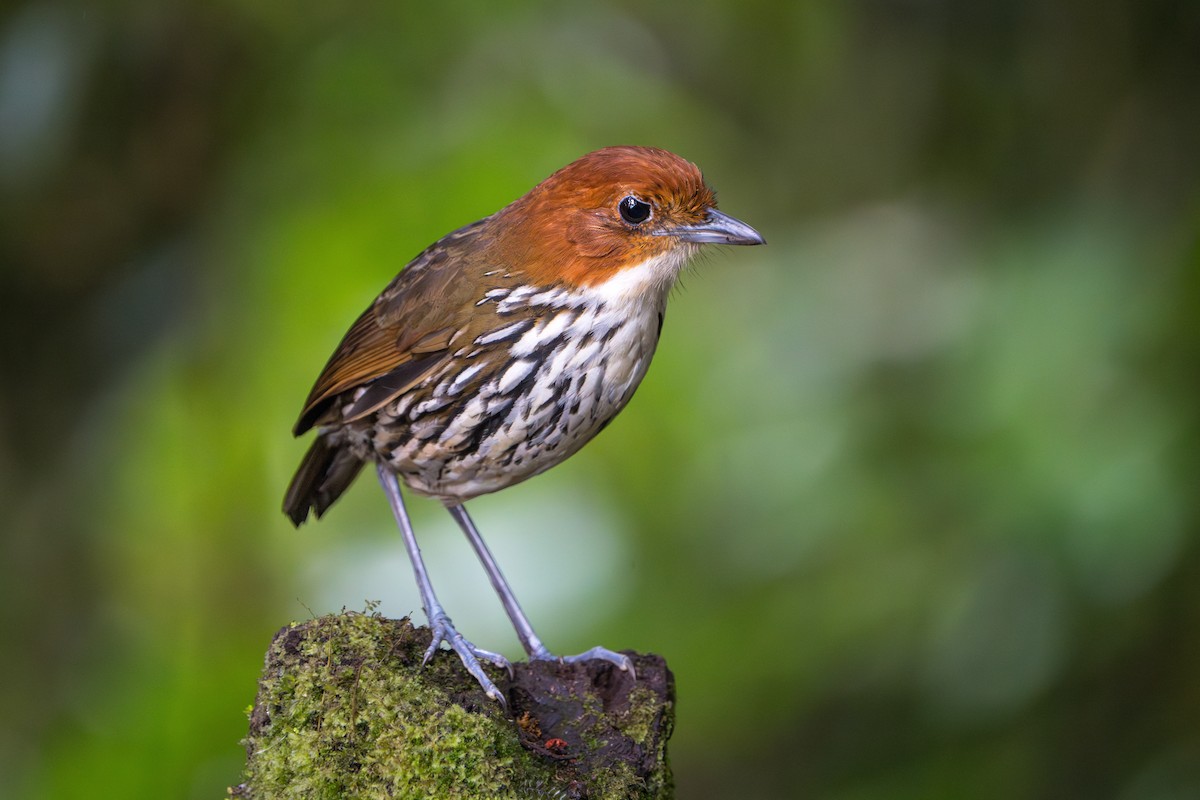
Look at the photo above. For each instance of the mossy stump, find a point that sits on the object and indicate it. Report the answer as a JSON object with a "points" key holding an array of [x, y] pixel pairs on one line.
{"points": [[345, 710]]}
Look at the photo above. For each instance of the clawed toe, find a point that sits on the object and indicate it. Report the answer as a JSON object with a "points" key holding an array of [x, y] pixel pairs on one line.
{"points": [[443, 631], [619, 660], [493, 658]]}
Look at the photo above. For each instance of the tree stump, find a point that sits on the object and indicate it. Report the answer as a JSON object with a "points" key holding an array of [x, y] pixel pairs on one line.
{"points": [[345, 709]]}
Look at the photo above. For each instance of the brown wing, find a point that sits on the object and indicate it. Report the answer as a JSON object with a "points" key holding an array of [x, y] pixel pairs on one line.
{"points": [[407, 331]]}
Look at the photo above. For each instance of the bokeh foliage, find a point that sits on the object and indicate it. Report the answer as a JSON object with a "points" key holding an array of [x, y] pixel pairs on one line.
{"points": [[908, 500]]}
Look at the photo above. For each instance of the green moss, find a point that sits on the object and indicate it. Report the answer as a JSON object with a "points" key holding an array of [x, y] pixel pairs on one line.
{"points": [[648, 723], [349, 716], [639, 720], [345, 710]]}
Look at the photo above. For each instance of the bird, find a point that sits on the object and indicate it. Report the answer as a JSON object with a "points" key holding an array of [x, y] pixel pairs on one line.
{"points": [[502, 349]]}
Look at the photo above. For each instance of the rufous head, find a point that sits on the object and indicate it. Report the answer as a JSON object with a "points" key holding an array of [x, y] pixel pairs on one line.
{"points": [[613, 209]]}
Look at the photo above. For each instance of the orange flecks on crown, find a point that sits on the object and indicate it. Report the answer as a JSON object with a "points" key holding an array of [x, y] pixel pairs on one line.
{"points": [[567, 228]]}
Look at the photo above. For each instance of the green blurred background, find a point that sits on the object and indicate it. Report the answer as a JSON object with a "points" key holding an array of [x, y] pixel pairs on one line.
{"points": [[908, 500]]}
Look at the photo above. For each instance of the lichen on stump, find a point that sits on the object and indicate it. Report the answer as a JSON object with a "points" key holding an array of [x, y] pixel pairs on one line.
{"points": [[345, 709]]}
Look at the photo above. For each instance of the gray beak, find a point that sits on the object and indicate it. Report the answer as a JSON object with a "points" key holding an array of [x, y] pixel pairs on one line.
{"points": [[718, 228]]}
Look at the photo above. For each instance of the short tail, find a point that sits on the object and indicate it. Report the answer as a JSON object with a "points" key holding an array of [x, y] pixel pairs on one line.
{"points": [[327, 470]]}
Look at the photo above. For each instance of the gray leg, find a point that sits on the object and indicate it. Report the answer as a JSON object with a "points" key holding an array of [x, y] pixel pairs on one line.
{"points": [[439, 623], [529, 640]]}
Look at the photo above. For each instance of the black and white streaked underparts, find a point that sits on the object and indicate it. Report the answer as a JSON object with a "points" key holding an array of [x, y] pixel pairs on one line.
{"points": [[527, 392]]}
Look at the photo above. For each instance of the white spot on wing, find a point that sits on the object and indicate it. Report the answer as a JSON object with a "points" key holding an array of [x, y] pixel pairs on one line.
{"points": [[550, 297], [556, 325], [529, 342], [500, 333], [516, 298], [514, 375], [492, 294], [463, 377]]}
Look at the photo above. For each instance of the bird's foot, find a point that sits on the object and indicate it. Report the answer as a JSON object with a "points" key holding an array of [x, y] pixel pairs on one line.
{"points": [[619, 660], [443, 630]]}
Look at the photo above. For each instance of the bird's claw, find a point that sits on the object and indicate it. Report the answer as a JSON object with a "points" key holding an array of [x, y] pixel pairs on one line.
{"points": [[619, 660], [442, 630]]}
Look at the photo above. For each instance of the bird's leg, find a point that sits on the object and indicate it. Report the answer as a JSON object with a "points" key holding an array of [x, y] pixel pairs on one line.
{"points": [[439, 623], [529, 639]]}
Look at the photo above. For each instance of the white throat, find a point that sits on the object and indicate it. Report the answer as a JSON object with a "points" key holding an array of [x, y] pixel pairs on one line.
{"points": [[653, 278]]}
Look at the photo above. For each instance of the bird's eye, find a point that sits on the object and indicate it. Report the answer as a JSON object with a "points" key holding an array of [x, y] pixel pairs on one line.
{"points": [[633, 210]]}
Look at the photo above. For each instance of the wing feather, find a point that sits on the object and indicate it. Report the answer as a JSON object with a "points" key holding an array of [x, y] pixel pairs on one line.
{"points": [[404, 335]]}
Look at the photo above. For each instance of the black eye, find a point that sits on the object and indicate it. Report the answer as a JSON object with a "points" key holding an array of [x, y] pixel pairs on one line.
{"points": [[633, 210]]}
